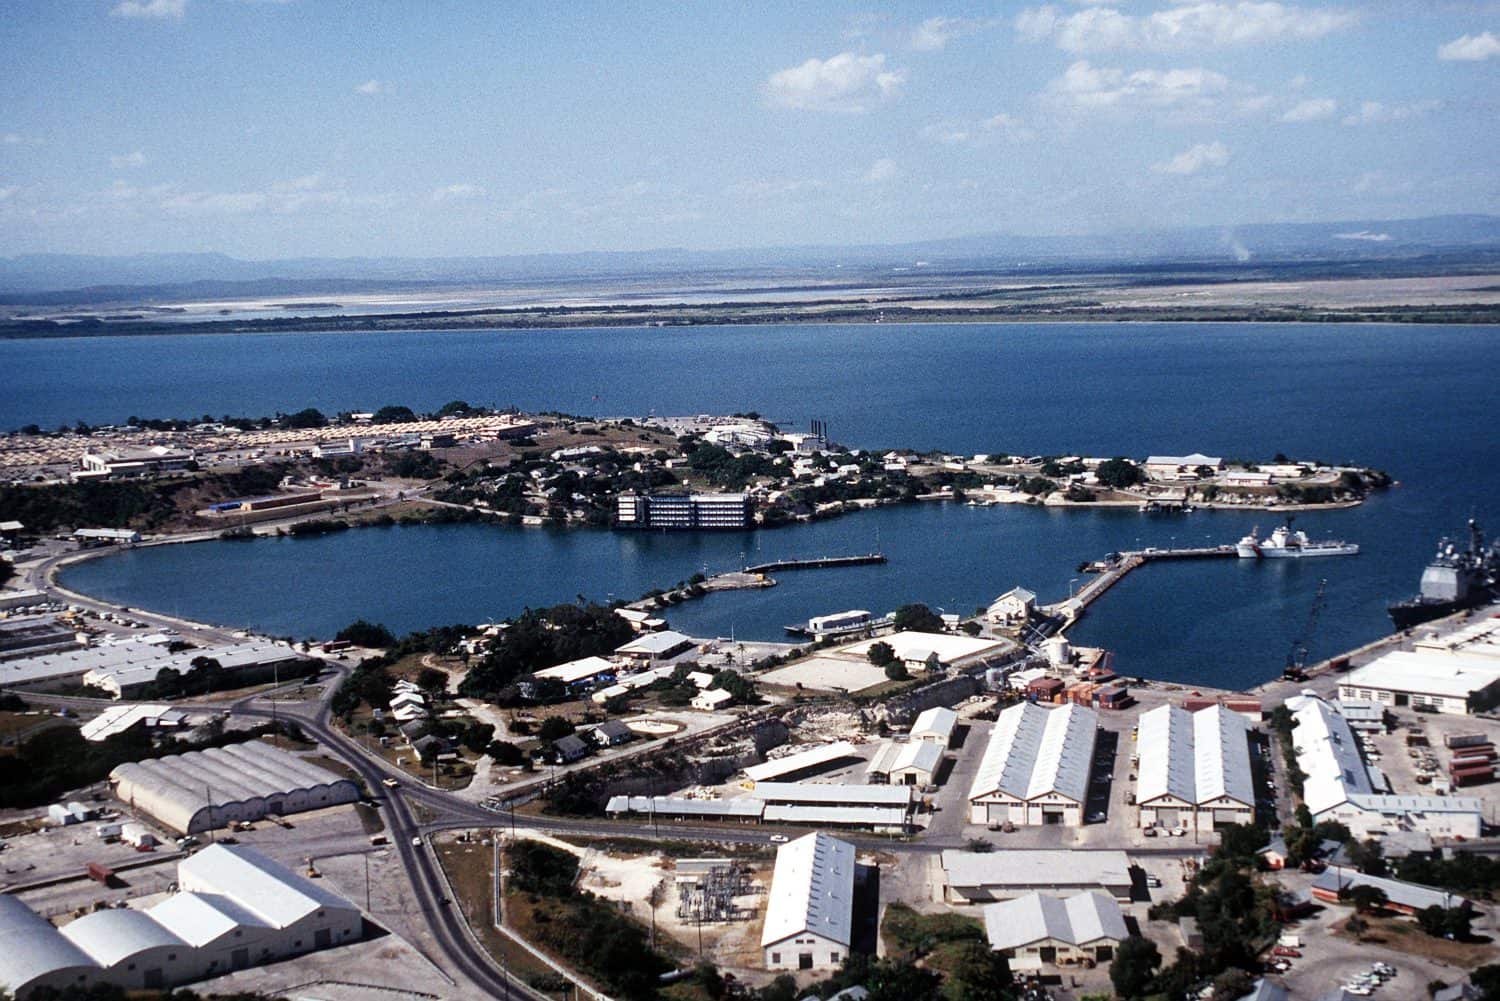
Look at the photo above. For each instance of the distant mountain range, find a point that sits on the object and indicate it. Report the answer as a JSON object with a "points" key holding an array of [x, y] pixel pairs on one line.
{"points": [[37, 279]]}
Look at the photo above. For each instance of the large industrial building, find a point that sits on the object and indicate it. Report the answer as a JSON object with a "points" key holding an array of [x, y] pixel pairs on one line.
{"points": [[810, 907], [1035, 929], [979, 877], [206, 790], [1446, 674], [1194, 768], [236, 909], [124, 669], [1338, 785], [1035, 769], [684, 512]]}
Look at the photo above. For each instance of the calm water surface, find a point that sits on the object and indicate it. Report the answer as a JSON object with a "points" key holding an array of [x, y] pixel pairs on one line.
{"points": [[1417, 401]]}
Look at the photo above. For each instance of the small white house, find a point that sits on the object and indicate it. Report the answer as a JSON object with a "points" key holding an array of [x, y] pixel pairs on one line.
{"points": [[711, 699]]}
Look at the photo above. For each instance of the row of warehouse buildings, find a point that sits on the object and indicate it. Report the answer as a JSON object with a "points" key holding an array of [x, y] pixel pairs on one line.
{"points": [[234, 908], [810, 909], [128, 668]]}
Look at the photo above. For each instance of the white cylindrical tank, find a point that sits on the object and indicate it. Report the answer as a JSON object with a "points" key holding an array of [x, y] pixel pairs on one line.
{"points": [[1058, 651]]}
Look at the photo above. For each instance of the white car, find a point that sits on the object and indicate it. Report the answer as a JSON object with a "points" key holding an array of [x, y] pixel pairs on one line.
{"points": [[778, 839], [416, 842]]}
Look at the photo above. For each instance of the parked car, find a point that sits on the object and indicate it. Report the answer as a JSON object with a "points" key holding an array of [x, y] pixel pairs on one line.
{"points": [[1287, 951]]}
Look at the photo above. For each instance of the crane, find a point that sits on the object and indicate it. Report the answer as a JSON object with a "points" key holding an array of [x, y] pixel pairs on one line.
{"points": [[1296, 655]]}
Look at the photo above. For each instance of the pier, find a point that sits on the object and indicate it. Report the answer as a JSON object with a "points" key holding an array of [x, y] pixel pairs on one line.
{"points": [[817, 564], [1070, 610]]}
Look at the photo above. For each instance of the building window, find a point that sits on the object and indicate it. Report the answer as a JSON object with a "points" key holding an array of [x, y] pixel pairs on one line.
{"points": [[833, 957], [775, 957]]}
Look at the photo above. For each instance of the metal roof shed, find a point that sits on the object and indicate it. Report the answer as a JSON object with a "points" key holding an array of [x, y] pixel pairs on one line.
{"points": [[134, 950], [811, 897]]}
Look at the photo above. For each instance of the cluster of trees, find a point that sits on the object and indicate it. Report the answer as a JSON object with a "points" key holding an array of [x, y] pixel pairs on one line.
{"points": [[542, 638], [589, 934], [1119, 473], [1465, 872], [1235, 914], [206, 675], [57, 760]]}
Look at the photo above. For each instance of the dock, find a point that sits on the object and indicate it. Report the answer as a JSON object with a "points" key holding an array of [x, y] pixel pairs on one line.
{"points": [[820, 563], [1070, 610]]}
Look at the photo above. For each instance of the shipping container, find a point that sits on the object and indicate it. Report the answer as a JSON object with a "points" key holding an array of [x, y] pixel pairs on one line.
{"points": [[99, 872], [1473, 777], [1464, 739], [107, 831]]}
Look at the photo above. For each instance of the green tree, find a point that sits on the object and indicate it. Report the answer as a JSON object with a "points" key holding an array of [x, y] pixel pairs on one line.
{"points": [[393, 414], [504, 753], [454, 408], [1487, 979], [1133, 967], [919, 618], [977, 973], [1363, 898], [366, 634], [554, 728], [1367, 856], [881, 654], [896, 671], [1119, 473], [309, 418]]}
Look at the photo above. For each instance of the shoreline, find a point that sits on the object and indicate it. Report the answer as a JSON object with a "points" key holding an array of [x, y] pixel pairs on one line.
{"points": [[862, 314]]}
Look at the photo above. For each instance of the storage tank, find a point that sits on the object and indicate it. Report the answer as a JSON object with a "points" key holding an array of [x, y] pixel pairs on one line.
{"points": [[1058, 652]]}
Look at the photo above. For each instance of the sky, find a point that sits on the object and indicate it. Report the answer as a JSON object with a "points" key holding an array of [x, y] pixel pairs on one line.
{"points": [[303, 128]]}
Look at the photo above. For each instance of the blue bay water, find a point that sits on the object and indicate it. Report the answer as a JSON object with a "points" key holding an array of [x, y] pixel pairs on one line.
{"points": [[1416, 400]]}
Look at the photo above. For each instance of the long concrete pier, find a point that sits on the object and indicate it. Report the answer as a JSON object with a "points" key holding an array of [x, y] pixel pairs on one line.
{"points": [[817, 564], [1070, 610]]}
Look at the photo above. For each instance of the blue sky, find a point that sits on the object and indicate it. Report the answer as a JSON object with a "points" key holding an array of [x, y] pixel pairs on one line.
{"points": [[302, 128]]}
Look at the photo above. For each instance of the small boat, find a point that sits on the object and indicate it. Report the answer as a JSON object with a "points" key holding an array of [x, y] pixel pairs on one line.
{"points": [[1287, 543]]}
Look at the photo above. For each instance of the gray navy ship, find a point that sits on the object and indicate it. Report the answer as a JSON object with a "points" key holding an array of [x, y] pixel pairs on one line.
{"points": [[1455, 580]]}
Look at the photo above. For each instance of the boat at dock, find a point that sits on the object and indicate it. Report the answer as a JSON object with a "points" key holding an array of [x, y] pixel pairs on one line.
{"points": [[855, 622], [1453, 581], [1288, 543]]}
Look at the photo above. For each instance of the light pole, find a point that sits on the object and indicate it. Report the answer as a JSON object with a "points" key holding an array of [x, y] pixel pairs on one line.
{"points": [[1070, 586]]}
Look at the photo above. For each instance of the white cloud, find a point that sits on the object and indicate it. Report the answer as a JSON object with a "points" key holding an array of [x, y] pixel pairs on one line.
{"points": [[371, 88], [457, 192], [1471, 48], [281, 198], [846, 83], [1084, 87], [1183, 26], [1377, 113], [936, 32], [17, 139], [1194, 159], [766, 188], [150, 8], [1314, 109], [128, 160], [1364, 235], [947, 133], [882, 170]]}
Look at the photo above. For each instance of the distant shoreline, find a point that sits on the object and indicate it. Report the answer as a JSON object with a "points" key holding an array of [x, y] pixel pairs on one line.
{"points": [[751, 314]]}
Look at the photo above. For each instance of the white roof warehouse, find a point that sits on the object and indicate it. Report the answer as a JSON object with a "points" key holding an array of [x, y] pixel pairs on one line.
{"points": [[237, 908], [810, 909], [1035, 769], [205, 790], [1194, 768]]}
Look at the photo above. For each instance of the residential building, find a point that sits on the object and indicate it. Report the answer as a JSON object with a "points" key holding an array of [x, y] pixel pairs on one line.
{"points": [[684, 512], [1013, 608], [712, 699]]}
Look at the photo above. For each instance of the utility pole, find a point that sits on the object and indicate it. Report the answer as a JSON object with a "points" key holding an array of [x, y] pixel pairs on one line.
{"points": [[367, 882]]}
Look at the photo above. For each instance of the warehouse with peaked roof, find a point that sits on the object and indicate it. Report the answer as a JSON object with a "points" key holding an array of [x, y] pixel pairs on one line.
{"points": [[206, 790], [1035, 930], [800, 763], [979, 877], [810, 907], [935, 725], [1194, 768], [1338, 786], [1035, 769]]}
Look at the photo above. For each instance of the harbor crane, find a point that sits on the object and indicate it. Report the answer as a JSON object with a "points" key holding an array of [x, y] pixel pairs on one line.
{"points": [[1296, 655]]}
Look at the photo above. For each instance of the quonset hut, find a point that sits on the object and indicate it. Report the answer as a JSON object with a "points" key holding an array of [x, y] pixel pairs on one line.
{"points": [[206, 790]]}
